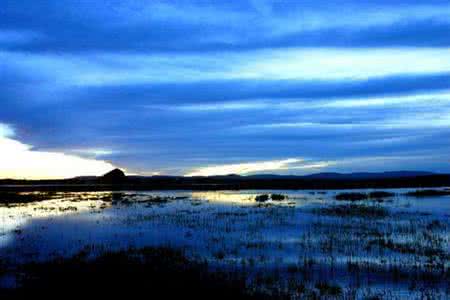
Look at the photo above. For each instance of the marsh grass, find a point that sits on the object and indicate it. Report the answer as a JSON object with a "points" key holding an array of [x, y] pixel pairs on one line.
{"points": [[328, 289], [353, 210], [156, 272], [121, 198], [376, 195]]}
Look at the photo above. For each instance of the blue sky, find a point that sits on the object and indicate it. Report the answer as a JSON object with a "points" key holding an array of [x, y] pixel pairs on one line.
{"points": [[216, 87]]}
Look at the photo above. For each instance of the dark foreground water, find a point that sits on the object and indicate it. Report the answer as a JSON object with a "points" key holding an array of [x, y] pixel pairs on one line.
{"points": [[395, 247]]}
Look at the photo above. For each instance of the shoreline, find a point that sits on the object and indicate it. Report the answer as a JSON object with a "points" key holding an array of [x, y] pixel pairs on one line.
{"points": [[437, 181]]}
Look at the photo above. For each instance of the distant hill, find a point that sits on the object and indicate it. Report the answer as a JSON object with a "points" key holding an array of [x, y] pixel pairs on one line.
{"points": [[368, 175], [114, 176]]}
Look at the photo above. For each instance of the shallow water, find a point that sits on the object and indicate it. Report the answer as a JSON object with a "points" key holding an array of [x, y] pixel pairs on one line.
{"points": [[297, 237]]}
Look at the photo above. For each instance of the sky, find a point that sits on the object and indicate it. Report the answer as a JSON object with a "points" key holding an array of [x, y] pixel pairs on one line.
{"points": [[220, 87]]}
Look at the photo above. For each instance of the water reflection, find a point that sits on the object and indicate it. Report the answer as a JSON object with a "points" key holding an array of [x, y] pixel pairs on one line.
{"points": [[248, 197], [231, 228], [14, 216], [226, 197]]}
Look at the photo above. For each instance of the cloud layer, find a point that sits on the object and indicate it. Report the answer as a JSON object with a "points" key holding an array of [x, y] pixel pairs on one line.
{"points": [[196, 87]]}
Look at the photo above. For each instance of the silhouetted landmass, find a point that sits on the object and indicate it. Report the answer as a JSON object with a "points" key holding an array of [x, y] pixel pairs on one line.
{"points": [[116, 180], [429, 193], [114, 176]]}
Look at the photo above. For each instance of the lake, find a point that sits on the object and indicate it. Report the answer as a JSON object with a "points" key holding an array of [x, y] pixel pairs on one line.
{"points": [[396, 246]]}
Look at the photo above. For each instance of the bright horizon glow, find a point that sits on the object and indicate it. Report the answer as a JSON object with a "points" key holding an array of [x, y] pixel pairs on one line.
{"points": [[253, 167], [19, 161]]}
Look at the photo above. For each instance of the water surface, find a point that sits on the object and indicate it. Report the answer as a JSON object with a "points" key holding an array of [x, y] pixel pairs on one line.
{"points": [[309, 235]]}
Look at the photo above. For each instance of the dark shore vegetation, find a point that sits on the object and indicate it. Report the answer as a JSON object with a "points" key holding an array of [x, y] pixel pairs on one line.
{"points": [[262, 198], [429, 193], [278, 197], [273, 197], [117, 198], [119, 182]]}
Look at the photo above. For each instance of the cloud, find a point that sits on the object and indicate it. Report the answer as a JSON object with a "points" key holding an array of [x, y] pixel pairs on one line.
{"points": [[94, 152], [411, 120], [164, 84], [18, 160], [426, 99], [183, 26], [328, 64], [164, 127], [109, 69], [6, 131], [437, 99], [255, 167], [213, 107]]}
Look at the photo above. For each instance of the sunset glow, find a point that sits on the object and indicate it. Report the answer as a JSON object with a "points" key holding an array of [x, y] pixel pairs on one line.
{"points": [[18, 160]]}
